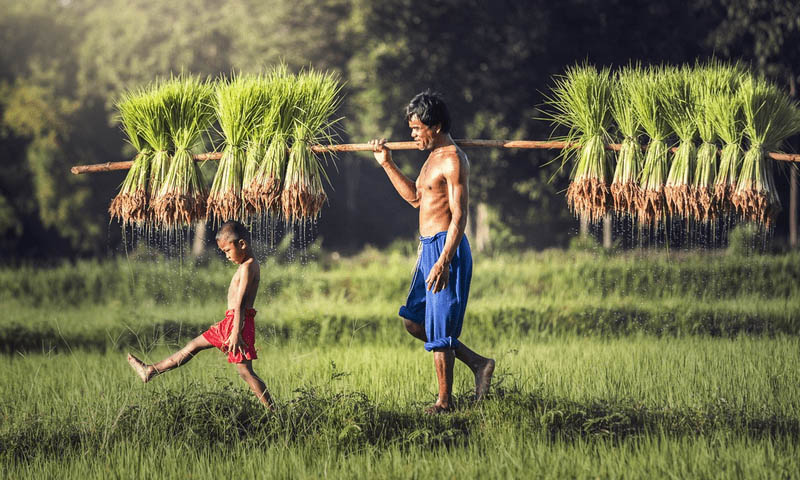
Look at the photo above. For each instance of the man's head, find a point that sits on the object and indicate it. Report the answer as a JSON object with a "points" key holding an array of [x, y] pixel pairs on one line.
{"points": [[234, 241], [428, 118]]}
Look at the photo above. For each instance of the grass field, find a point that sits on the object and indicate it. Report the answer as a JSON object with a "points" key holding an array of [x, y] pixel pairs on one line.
{"points": [[635, 365]]}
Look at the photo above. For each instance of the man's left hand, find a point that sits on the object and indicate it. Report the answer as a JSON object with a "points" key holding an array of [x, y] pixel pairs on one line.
{"points": [[438, 277]]}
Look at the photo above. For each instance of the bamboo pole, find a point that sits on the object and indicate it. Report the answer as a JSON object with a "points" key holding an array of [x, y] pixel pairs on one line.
{"points": [[366, 147]]}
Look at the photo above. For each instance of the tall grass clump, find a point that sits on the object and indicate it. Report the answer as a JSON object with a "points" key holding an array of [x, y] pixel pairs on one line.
{"points": [[131, 203], [624, 187], [725, 111], [263, 191], [181, 199], [581, 102], [680, 113], [770, 117], [155, 131], [240, 105], [648, 97], [709, 82], [317, 99]]}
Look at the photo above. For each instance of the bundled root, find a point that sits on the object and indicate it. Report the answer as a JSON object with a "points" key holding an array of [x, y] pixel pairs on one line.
{"points": [[651, 205], [225, 200], [588, 198], [300, 201], [174, 210], [703, 203]]}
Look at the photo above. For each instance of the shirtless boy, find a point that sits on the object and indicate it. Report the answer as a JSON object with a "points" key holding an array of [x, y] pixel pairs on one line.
{"points": [[437, 299], [235, 334]]}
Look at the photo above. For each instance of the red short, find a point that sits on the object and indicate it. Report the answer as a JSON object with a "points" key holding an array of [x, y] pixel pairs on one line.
{"points": [[219, 333]]}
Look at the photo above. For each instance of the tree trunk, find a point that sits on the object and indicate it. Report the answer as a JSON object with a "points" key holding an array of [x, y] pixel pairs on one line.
{"points": [[607, 231], [482, 232], [199, 241], [584, 228]]}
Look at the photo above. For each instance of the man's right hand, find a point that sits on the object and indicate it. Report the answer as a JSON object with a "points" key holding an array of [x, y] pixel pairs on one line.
{"points": [[382, 153]]}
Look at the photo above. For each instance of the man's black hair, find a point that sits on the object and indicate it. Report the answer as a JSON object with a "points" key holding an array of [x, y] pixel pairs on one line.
{"points": [[430, 108], [233, 231]]}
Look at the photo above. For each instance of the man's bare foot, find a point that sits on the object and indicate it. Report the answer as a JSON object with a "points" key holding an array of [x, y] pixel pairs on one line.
{"points": [[483, 379], [144, 371], [436, 409]]}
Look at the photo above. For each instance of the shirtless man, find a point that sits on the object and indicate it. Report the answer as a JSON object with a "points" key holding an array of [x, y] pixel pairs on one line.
{"points": [[235, 334], [437, 299]]}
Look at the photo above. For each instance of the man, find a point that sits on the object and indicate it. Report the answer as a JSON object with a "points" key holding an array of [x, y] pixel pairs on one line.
{"points": [[437, 299]]}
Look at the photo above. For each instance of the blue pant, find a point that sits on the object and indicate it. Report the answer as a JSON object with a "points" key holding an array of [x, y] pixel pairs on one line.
{"points": [[442, 313]]}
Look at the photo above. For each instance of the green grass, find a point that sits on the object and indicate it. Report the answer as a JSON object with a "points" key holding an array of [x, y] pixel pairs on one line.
{"points": [[119, 304], [359, 407], [636, 365]]}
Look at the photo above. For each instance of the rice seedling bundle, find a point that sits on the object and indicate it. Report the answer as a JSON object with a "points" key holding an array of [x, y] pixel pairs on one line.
{"points": [[709, 82], [181, 199], [725, 113], [647, 96], [131, 203], [770, 117], [680, 112], [317, 100], [581, 100], [624, 187], [240, 106], [155, 131], [264, 187]]}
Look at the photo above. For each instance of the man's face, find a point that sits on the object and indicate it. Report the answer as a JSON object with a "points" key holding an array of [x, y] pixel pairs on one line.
{"points": [[234, 251], [421, 133]]}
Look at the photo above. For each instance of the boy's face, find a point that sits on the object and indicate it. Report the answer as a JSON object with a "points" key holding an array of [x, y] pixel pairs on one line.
{"points": [[236, 251]]}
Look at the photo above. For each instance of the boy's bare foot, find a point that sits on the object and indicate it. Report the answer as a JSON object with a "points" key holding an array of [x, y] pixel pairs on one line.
{"points": [[144, 371], [436, 409], [483, 379]]}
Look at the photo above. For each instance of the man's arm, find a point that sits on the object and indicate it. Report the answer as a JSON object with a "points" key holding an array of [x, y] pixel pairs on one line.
{"points": [[404, 186], [456, 177]]}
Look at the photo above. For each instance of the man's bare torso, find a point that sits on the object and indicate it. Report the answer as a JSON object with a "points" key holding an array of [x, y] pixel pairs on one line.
{"points": [[252, 286], [432, 189]]}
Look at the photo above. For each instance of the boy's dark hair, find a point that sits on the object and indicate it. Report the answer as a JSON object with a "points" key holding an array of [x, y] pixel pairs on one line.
{"points": [[430, 108], [233, 231]]}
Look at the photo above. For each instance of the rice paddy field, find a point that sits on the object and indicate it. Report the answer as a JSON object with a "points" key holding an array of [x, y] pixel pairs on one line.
{"points": [[637, 364]]}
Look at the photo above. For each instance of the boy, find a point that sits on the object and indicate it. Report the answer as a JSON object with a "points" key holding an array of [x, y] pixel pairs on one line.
{"points": [[233, 335]]}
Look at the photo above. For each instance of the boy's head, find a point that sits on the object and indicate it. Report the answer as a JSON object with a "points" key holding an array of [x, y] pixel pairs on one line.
{"points": [[234, 241]]}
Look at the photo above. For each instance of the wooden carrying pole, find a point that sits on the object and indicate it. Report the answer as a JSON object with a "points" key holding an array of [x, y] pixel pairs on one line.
{"points": [[366, 147]]}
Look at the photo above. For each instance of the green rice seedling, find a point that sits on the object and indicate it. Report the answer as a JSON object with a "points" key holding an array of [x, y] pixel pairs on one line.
{"points": [[155, 131], [182, 197], [581, 102], [263, 191], [130, 205], [648, 97], [725, 111], [239, 107], [318, 99], [624, 187], [770, 117], [680, 113], [710, 81]]}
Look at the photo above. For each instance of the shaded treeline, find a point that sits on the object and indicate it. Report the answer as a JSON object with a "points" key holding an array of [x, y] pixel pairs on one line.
{"points": [[62, 64]]}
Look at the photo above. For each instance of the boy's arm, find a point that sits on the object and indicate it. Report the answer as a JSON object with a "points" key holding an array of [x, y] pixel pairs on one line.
{"points": [[245, 272]]}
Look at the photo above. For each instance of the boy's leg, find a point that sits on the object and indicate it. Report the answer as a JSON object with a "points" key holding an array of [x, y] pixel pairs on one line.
{"points": [[443, 361], [482, 367], [181, 357], [258, 387]]}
